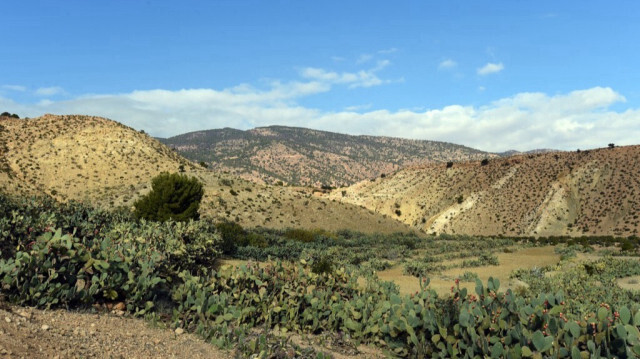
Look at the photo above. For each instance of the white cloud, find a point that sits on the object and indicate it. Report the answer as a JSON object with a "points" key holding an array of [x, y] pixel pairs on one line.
{"points": [[364, 58], [388, 51], [447, 64], [578, 119], [362, 78], [17, 88], [490, 68], [356, 108], [49, 91]]}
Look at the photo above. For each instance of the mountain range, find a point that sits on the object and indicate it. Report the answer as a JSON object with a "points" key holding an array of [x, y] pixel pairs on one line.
{"points": [[396, 185], [305, 157]]}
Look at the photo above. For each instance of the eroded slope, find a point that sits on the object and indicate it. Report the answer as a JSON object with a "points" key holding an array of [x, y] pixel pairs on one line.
{"points": [[589, 192]]}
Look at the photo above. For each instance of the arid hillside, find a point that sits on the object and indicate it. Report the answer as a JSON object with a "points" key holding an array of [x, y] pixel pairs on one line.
{"points": [[105, 163], [301, 156], [595, 192], [82, 158]]}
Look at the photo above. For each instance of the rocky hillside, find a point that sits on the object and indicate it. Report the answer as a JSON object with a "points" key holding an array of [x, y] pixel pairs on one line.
{"points": [[307, 157], [595, 192], [82, 158], [101, 161]]}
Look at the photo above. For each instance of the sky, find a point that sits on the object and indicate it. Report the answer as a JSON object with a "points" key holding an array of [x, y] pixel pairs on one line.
{"points": [[493, 75]]}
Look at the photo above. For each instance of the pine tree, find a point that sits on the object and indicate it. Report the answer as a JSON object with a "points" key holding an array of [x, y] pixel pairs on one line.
{"points": [[173, 196]]}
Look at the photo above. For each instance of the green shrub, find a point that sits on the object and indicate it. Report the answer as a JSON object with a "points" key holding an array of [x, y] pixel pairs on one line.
{"points": [[484, 259], [256, 240], [469, 277], [299, 234], [173, 196], [233, 236], [64, 270], [322, 265]]}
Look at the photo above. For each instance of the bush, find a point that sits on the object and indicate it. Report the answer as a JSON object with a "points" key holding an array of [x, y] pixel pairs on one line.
{"points": [[322, 265], [233, 236], [299, 234], [7, 114], [173, 196], [63, 270]]}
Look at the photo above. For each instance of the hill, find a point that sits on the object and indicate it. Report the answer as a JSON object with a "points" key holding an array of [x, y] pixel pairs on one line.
{"points": [[82, 158], [103, 162], [595, 192], [306, 157]]}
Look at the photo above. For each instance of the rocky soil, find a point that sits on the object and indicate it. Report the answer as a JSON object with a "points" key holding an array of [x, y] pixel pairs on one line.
{"points": [[31, 333]]}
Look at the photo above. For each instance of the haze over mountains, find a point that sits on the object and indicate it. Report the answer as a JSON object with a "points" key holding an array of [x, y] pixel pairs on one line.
{"points": [[108, 164], [307, 157]]}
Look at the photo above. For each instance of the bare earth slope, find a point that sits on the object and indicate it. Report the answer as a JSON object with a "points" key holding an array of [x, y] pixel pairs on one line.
{"points": [[108, 164], [35, 333], [301, 156], [594, 192]]}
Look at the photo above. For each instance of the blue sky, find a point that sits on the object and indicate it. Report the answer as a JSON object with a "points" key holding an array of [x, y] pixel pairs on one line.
{"points": [[494, 75]]}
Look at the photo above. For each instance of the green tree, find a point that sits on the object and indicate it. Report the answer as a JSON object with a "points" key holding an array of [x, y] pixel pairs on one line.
{"points": [[173, 196]]}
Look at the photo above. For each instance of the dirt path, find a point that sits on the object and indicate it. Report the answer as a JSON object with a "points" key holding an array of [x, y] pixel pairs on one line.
{"points": [[31, 333]]}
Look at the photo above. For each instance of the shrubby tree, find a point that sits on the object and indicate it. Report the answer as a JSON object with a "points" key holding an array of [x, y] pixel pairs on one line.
{"points": [[7, 114], [173, 196]]}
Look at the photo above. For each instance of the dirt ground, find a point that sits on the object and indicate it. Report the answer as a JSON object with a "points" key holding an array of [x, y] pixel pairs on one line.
{"points": [[31, 333]]}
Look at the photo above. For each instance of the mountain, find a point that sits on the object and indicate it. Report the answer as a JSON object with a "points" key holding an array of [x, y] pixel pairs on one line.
{"points": [[306, 157], [103, 162], [594, 192]]}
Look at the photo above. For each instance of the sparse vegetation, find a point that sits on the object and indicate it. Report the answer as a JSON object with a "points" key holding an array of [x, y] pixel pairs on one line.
{"points": [[277, 153], [165, 277]]}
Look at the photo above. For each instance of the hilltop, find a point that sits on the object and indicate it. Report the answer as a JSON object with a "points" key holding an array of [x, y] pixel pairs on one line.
{"points": [[96, 160], [594, 192], [306, 157], [81, 157]]}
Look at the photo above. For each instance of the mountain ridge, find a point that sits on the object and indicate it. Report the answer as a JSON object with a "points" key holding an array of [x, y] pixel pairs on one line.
{"points": [[308, 157], [590, 192]]}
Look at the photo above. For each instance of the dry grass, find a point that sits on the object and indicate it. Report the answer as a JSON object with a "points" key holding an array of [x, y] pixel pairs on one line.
{"points": [[630, 283], [441, 283], [524, 258]]}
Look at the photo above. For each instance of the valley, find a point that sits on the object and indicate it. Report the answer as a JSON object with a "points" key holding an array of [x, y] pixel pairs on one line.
{"points": [[354, 271]]}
